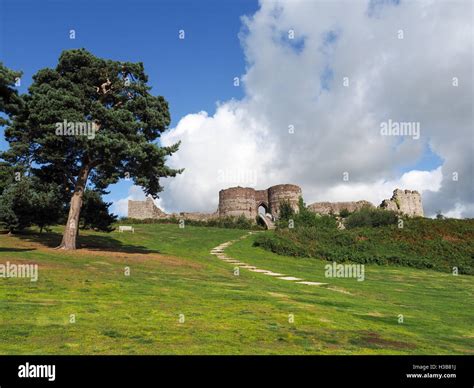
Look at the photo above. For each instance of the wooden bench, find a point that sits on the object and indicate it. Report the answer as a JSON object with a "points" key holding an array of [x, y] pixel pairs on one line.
{"points": [[124, 228]]}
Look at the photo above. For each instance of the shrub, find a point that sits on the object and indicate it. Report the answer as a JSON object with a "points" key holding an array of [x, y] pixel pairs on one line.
{"points": [[371, 218], [344, 213], [286, 211], [304, 217]]}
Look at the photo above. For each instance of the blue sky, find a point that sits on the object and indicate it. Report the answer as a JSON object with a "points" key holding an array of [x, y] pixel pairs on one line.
{"points": [[193, 74]]}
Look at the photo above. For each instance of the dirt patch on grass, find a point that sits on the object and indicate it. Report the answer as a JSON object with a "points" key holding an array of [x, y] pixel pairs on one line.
{"points": [[278, 295], [375, 314], [121, 257], [374, 339], [451, 238], [111, 256]]}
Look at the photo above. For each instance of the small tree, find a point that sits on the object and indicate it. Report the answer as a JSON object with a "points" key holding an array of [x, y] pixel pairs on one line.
{"points": [[344, 213], [16, 206], [30, 202], [286, 211], [95, 213], [48, 207]]}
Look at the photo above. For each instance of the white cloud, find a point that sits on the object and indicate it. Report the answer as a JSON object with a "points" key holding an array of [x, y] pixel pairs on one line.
{"points": [[337, 128]]}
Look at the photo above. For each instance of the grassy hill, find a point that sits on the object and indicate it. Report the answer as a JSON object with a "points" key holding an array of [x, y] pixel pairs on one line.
{"points": [[172, 273], [421, 243]]}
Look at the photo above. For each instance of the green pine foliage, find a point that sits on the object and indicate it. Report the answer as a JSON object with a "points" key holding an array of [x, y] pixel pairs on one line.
{"points": [[95, 213], [30, 202]]}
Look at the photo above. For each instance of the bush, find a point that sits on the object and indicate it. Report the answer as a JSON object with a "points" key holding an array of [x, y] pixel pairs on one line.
{"points": [[286, 211], [304, 217], [344, 213], [368, 217], [30, 202]]}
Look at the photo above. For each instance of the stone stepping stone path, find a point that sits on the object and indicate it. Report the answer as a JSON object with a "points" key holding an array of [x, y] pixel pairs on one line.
{"points": [[219, 253], [311, 283], [289, 278]]}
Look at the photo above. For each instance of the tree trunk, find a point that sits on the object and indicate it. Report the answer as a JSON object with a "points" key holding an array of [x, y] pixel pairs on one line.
{"points": [[72, 225]]}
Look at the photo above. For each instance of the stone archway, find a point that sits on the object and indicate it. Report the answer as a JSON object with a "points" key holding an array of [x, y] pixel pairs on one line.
{"points": [[262, 208]]}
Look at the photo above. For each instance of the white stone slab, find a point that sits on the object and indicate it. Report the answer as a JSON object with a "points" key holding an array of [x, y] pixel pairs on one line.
{"points": [[312, 283], [289, 278], [259, 270]]}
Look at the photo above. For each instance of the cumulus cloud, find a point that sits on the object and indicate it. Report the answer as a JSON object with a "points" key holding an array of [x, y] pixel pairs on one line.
{"points": [[314, 105]]}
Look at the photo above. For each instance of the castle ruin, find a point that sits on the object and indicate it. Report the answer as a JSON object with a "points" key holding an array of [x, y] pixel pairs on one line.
{"points": [[251, 203], [246, 201], [404, 201]]}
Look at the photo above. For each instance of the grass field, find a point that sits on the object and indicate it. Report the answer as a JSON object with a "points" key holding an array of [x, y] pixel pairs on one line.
{"points": [[173, 273]]}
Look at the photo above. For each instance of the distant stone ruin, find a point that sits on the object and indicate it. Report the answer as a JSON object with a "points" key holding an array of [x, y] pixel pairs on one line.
{"points": [[405, 202], [336, 207], [251, 203], [144, 209], [141, 210]]}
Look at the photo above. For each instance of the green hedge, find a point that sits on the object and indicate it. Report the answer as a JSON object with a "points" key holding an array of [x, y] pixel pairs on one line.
{"points": [[221, 222]]}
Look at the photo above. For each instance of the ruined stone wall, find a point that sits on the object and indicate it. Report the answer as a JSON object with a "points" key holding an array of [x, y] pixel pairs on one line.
{"points": [[405, 202], [280, 193], [261, 197], [336, 207], [147, 209], [195, 216], [144, 209]]}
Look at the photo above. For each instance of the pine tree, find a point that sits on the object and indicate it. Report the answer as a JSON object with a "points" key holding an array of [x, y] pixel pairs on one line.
{"points": [[90, 121]]}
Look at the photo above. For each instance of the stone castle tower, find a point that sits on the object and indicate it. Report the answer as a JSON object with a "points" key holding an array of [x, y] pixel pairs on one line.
{"points": [[246, 201]]}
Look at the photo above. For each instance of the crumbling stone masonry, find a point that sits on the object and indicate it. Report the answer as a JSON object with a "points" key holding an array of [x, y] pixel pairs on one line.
{"points": [[144, 209], [235, 201], [405, 202], [336, 207], [147, 209], [245, 201], [238, 201]]}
